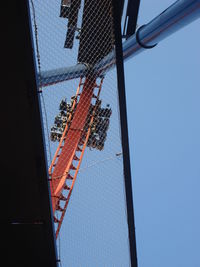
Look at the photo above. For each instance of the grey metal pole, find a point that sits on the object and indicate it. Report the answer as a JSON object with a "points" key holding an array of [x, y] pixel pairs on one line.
{"points": [[174, 18]]}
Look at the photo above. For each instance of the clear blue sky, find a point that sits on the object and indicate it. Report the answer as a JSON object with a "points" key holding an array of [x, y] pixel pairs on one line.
{"points": [[163, 96], [163, 105]]}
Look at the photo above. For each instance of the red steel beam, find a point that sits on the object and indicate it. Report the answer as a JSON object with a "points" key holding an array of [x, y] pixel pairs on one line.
{"points": [[78, 166], [64, 133], [65, 159]]}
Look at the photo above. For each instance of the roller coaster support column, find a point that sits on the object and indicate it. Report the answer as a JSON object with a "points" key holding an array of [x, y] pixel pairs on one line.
{"points": [[174, 18]]}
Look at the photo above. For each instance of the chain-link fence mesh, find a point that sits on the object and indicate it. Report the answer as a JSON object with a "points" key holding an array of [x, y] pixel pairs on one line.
{"points": [[82, 131]]}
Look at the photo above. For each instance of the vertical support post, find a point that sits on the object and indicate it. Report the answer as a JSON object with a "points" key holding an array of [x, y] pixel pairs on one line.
{"points": [[124, 133]]}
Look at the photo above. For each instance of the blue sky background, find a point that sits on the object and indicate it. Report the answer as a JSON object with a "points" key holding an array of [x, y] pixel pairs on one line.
{"points": [[163, 106], [163, 96]]}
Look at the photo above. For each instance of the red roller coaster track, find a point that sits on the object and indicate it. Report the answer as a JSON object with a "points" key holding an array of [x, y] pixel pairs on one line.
{"points": [[67, 159]]}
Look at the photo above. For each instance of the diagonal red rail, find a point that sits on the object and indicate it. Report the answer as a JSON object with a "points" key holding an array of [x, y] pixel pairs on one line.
{"points": [[59, 148], [76, 172], [64, 162], [67, 159]]}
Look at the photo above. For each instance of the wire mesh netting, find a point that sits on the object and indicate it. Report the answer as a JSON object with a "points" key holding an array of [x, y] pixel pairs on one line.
{"points": [[82, 130]]}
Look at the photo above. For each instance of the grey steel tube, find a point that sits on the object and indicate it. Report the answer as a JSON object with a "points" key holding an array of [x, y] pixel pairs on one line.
{"points": [[175, 17], [62, 74]]}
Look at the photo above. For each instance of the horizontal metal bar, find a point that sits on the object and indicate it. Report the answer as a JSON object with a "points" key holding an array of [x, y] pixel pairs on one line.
{"points": [[174, 18]]}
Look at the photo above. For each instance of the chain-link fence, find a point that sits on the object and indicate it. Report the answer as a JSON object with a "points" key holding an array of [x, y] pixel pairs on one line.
{"points": [[82, 131]]}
